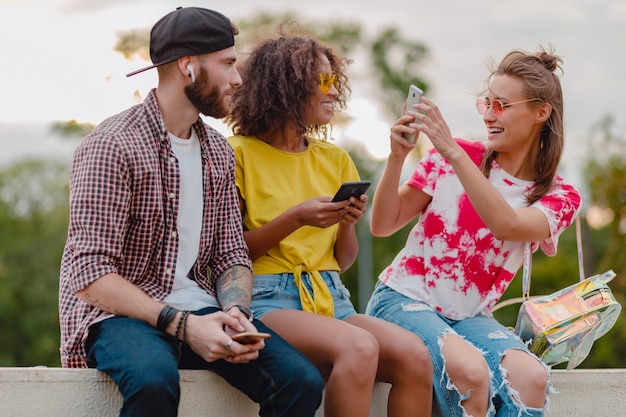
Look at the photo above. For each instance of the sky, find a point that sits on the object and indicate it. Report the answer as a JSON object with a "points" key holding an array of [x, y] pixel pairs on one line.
{"points": [[58, 61]]}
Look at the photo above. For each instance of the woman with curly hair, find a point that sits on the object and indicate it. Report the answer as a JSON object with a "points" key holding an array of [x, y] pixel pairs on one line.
{"points": [[477, 203], [300, 241]]}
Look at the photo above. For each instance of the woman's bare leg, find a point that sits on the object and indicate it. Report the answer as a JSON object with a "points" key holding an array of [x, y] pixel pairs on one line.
{"points": [[404, 362], [527, 376], [469, 372], [346, 356]]}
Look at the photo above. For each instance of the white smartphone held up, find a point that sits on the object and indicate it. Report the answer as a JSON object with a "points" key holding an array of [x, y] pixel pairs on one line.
{"points": [[414, 97], [351, 189]]}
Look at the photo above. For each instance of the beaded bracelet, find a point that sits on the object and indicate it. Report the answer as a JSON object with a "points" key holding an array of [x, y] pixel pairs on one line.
{"points": [[166, 316], [182, 328], [180, 321]]}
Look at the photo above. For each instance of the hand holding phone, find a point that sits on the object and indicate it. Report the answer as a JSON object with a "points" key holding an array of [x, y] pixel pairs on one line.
{"points": [[414, 96], [351, 189], [250, 337]]}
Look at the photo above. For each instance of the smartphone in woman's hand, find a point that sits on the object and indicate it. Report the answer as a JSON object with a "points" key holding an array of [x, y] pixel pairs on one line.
{"points": [[414, 97], [351, 189]]}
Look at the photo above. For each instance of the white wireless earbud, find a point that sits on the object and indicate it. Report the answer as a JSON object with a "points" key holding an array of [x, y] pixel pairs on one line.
{"points": [[191, 73]]}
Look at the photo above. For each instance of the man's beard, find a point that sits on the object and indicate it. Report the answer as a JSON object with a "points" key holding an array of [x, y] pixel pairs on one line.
{"points": [[211, 103]]}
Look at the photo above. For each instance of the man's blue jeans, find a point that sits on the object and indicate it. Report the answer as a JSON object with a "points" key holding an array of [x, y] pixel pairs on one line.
{"points": [[144, 363]]}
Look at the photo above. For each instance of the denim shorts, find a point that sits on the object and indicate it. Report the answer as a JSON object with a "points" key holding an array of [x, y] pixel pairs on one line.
{"points": [[491, 338], [279, 291]]}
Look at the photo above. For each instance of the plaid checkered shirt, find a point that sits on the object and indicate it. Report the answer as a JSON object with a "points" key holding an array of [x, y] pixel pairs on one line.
{"points": [[124, 192]]}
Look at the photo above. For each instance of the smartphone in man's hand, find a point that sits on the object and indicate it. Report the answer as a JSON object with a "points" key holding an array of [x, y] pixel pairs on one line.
{"points": [[250, 337]]}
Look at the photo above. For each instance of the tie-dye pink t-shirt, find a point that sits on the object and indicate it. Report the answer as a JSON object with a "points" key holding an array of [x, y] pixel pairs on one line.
{"points": [[451, 260]]}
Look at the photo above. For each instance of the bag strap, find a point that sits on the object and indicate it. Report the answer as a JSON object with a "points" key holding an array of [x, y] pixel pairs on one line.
{"points": [[528, 255], [579, 246]]}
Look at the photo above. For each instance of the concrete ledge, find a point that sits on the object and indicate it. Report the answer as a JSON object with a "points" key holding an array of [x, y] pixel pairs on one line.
{"points": [[57, 392]]}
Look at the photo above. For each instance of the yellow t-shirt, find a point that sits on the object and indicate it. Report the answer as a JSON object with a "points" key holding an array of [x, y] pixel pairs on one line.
{"points": [[271, 181]]}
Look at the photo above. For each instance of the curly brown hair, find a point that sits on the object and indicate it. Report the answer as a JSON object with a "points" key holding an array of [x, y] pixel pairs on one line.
{"points": [[279, 77], [537, 72]]}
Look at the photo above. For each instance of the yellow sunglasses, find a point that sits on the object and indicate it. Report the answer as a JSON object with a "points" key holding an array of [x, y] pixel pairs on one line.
{"points": [[328, 80]]}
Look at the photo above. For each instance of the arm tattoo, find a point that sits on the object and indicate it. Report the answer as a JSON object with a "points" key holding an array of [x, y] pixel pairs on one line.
{"points": [[96, 303], [234, 286]]}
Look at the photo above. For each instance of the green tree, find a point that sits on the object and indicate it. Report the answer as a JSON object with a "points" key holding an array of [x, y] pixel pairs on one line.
{"points": [[71, 129], [394, 60], [33, 220], [603, 245], [605, 174], [34, 211], [397, 62]]}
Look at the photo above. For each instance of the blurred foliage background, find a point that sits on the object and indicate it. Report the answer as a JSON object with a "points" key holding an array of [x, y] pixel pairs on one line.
{"points": [[34, 204]]}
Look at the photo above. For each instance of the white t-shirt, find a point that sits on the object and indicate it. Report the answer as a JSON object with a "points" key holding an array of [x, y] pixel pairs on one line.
{"points": [[186, 293]]}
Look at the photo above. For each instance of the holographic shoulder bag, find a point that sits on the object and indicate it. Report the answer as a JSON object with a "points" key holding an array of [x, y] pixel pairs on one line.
{"points": [[562, 326]]}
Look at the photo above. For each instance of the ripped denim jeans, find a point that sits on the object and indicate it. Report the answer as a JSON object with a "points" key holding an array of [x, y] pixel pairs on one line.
{"points": [[491, 338]]}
